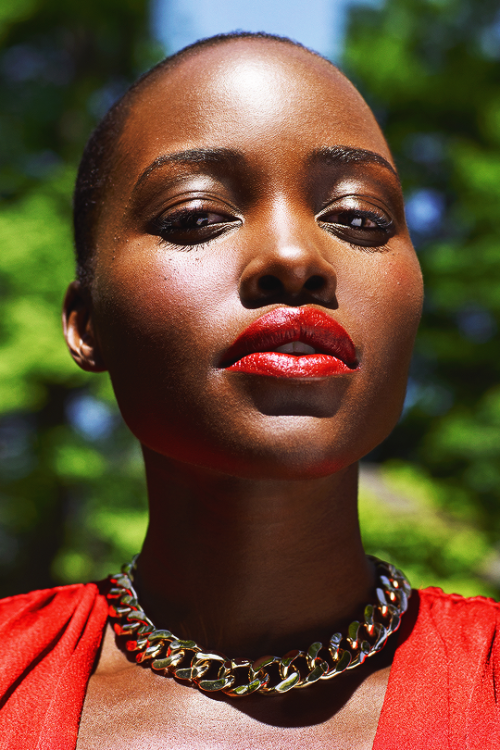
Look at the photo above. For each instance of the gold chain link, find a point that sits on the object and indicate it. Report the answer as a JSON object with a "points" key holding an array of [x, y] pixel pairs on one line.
{"points": [[213, 671]]}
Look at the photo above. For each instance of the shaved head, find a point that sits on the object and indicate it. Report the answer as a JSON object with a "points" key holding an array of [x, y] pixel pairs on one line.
{"points": [[100, 151]]}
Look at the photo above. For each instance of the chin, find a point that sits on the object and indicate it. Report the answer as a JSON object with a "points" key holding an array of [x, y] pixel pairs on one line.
{"points": [[292, 433], [287, 447], [299, 449]]}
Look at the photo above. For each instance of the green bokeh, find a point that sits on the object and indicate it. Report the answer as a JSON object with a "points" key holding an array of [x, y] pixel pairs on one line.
{"points": [[73, 501]]}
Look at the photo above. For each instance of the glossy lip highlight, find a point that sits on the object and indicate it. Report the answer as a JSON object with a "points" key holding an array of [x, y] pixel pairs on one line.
{"points": [[254, 351]]}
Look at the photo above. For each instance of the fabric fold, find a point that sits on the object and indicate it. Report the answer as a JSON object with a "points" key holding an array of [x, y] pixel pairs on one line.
{"points": [[49, 642], [441, 695], [443, 683]]}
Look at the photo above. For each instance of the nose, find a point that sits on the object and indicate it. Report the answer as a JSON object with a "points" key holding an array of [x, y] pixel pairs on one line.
{"points": [[289, 267]]}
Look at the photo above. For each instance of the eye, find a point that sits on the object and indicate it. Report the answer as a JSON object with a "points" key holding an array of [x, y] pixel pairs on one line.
{"points": [[367, 226], [356, 221], [191, 226]]}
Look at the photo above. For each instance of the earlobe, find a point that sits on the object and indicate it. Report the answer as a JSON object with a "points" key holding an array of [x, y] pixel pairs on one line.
{"points": [[79, 331]]}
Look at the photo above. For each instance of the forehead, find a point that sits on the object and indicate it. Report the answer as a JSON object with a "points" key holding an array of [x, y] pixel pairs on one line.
{"points": [[254, 96]]}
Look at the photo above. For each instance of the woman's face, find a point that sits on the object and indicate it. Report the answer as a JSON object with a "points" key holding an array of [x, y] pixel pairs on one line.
{"points": [[252, 180]]}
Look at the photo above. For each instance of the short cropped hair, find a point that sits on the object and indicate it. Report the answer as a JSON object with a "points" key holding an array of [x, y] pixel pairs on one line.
{"points": [[97, 160]]}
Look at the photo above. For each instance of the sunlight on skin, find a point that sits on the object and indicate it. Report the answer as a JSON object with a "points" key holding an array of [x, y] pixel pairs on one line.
{"points": [[252, 480]]}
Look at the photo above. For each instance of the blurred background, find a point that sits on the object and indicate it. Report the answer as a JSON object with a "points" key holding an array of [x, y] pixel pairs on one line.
{"points": [[72, 493]]}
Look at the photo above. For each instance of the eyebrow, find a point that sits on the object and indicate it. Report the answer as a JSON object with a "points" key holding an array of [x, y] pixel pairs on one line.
{"points": [[225, 157], [221, 156], [348, 155]]}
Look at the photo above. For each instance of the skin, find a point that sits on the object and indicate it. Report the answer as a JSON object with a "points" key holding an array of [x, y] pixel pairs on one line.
{"points": [[254, 544]]}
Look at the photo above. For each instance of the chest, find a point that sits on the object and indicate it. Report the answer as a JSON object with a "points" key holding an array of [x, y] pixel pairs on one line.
{"points": [[137, 709]]}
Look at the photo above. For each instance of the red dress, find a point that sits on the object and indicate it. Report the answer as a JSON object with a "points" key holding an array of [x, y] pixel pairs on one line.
{"points": [[442, 690]]}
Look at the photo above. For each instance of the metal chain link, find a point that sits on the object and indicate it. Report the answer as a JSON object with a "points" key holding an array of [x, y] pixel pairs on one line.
{"points": [[213, 671]]}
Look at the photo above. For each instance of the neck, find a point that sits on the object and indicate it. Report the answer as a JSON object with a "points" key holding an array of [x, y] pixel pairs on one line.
{"points": [[252, 566]]}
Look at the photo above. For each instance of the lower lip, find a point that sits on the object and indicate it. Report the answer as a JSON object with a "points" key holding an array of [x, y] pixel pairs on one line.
{"points": [[276, 365]]}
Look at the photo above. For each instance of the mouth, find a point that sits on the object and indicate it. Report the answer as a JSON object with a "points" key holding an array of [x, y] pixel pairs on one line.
{"points": [[293, 342]]}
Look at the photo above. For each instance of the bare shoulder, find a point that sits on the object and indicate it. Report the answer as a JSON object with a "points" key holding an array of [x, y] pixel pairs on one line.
{"points": [[130, 706]]}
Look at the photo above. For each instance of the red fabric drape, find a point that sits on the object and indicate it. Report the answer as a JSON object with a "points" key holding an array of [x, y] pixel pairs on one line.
{"points": [[444, 685], [442, 691], [49, 640]]}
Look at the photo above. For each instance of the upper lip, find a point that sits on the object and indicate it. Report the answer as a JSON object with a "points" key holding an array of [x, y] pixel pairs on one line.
{"points": [[287, 324]]}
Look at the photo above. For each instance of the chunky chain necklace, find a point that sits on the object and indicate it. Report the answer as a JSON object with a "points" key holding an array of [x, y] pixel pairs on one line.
{"points": [[213, 671]]}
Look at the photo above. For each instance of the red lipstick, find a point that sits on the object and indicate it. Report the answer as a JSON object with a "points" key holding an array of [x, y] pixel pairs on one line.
{"points": [[293, 342]]}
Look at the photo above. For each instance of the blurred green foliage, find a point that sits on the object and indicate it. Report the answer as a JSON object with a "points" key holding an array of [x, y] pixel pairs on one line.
{"points": [[72, 495], [402, 521], [430, 69]]}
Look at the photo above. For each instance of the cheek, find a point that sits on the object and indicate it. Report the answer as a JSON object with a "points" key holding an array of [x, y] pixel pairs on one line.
{"points": [[160, 329], [401, 295], [161, 297], [390, 306], [388, 294]]}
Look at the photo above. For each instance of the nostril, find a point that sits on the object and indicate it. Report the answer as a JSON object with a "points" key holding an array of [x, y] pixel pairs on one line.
{"points": [[314, 283], [270, 284]]}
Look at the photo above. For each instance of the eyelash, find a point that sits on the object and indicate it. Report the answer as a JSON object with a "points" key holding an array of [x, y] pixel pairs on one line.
{"points": [[165, 227], [368, 239]]}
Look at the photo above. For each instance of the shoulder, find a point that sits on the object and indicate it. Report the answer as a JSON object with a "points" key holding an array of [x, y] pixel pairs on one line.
{"points": [[453, 630], [475, 616], [48, 600], [50, 639], [445, 676], [43, 631], [44, 614], [435, 597], [41, 597]]}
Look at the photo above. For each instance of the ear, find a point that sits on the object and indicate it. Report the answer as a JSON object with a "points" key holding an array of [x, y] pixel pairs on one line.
{"points": [[79, 331]]}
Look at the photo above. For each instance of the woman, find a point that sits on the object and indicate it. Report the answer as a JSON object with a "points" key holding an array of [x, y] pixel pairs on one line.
{"points": [[246, 276]]}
